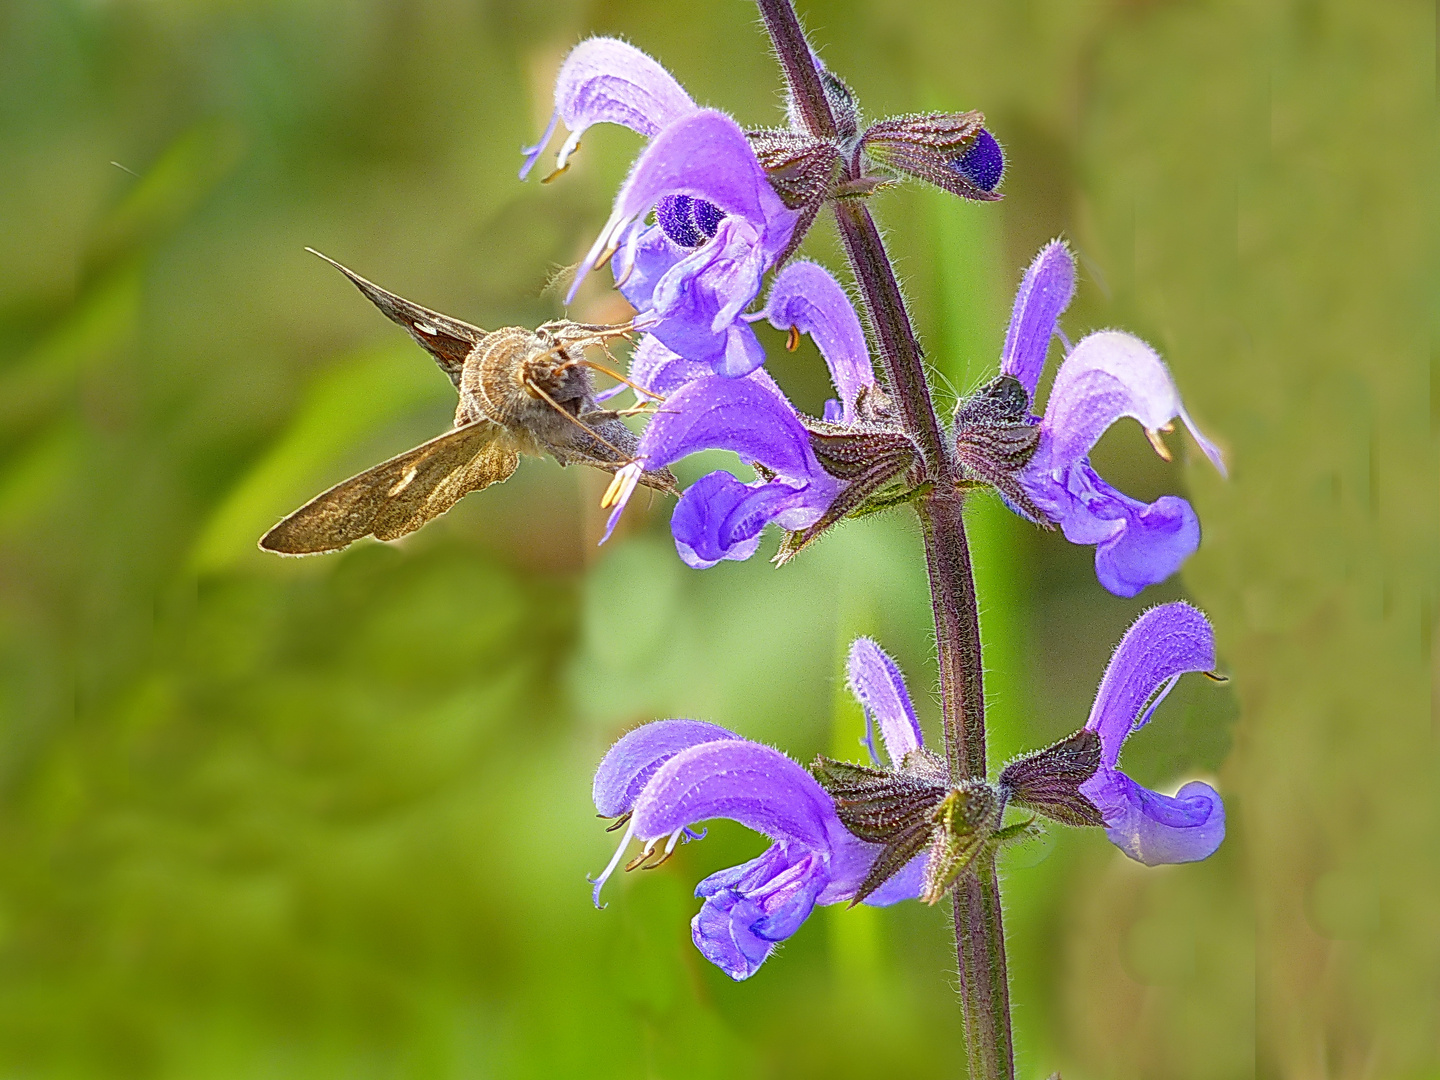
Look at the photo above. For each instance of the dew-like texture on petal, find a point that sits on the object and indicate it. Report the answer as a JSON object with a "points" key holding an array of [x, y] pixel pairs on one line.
{"points": [[1107, 376], [749, 783], [688, 222], [1136, 544], [1152, 828], [1166, 641], [1045, 292], [636, 756], [808, 298], [604, 80], [877, 684]]}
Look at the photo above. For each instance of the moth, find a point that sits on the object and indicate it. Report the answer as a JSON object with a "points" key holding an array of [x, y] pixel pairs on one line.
{"points": [[521, 391]]}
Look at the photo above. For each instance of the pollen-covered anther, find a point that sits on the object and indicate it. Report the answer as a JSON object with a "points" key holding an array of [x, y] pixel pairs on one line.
{"points": [[792, 339], [1153, 434], [559, 170], [622, 486]]}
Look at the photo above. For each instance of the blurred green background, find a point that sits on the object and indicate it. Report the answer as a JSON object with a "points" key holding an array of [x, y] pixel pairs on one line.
{"points": [[330, 817]]}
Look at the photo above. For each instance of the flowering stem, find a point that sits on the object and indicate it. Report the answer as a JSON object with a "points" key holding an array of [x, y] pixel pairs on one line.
{"points": [[979, 929]]}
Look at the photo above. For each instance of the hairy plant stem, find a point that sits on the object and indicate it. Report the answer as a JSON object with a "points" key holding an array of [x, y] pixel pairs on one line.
{"points": [[979, 928]]}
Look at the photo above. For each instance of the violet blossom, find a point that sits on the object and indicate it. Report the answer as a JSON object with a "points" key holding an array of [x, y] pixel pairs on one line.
{"points": [[1165, 643], [667, 776], [719, 225], [719, 516], [1104, 377]]}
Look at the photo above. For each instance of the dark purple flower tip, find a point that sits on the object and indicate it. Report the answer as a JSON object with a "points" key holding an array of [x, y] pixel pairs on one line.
{"points": [[688, 222], [983, 163]]}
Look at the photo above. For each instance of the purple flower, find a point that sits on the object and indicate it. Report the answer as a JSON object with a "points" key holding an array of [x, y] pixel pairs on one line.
{"points": [[1164, 643], [719, 517], [1106, 376], [719, 225], [663, 778]]}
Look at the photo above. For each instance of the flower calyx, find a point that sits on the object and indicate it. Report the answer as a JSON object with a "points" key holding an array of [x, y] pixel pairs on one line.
{"points": [[995, 438], [1048, 781], [910, 809], [868, 455]]}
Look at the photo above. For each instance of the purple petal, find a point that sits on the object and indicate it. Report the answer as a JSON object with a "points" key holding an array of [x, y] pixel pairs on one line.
{"points": [[630, 763], [755, 785], [749, 908], [1109, 375], [660, 369], [877, 684], [905, 885], [1166, 641], [1136, 545], [706, 156], [605, 80], [1153, 828], [747, 416], [713, 931], [1045, 292], [806, 297], [718, 517], [689, 298]]}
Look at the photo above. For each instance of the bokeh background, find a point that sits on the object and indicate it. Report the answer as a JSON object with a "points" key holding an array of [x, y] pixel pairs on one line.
{"points": [[330, 817]]}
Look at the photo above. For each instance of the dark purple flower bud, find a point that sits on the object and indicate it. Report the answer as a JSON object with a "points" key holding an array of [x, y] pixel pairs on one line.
{"points": [[983, 163], [953, 151]]}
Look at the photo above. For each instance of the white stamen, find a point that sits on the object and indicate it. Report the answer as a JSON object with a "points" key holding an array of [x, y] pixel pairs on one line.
{"points": [[674, 839], [614, 862]]}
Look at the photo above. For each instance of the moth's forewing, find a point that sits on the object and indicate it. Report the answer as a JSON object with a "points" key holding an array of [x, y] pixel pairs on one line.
{"points": [[448, 340], [398, 496], [444, 478]]}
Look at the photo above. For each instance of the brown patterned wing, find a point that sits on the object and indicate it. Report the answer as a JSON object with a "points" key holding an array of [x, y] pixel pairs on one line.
{"points": [[398, 496], [448, 340]]}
